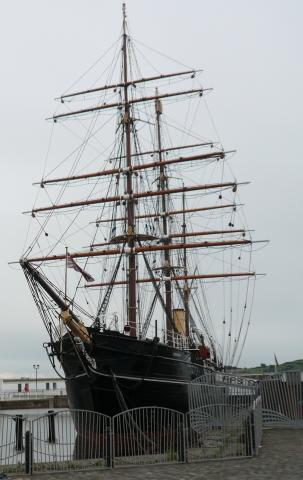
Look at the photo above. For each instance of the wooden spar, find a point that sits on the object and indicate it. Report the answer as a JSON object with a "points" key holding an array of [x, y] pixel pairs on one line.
{"points": [[130, 102], [163, 185], [178, 235], [132, 82], [134, 168], [172, 212], [128, 196], [146, 248], [176, 278], [132, 287], [164, 150], [138, 154], [205, 232], [146, 152]]}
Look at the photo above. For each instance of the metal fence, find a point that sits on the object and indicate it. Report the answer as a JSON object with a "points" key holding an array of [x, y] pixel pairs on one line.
{"points": [[12, 450], [56, 441], [148, 435], [225, 420], [257, 423], [77, 440], [282, 399]]}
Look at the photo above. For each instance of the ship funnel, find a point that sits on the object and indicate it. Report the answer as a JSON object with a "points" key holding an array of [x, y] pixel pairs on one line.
{"points": [[179, 320]]}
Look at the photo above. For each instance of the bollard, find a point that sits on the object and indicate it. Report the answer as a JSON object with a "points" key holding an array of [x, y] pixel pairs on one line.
{"points": [[28, 452], [19, 432], [51, 426]]}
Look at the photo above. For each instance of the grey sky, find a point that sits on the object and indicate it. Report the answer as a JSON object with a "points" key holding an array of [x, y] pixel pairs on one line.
{"points": [[251, 55]]}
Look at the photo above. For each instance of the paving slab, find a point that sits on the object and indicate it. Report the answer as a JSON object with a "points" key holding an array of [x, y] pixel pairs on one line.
{"points": [[280, 458]]}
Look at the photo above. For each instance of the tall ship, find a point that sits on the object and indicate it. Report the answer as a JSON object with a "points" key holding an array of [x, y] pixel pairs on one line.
{"points": [[140, 260]]}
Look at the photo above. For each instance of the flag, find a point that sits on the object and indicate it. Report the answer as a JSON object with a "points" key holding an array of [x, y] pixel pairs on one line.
{"points": [[72, 264]]}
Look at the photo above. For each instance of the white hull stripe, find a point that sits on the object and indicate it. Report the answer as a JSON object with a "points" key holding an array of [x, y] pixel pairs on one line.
{"points": [[142, 379]]}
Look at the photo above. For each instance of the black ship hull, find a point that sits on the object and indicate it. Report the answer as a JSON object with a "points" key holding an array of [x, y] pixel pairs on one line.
{"points": [[120, 372]]}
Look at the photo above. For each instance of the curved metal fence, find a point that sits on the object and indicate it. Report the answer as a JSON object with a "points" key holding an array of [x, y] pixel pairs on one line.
{"points": [[79, 440], [282, 399], [148, 435], [71, 439], [226, 417], [56, 441], [223, 416], [12, 445]]}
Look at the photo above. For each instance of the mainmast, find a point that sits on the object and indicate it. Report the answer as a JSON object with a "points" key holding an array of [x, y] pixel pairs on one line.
{"points": [[186, 286], [132, 297], [164, 186]]}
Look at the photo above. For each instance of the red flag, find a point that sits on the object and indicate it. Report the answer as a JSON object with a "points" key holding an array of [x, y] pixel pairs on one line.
{"points": [[72, 264]]}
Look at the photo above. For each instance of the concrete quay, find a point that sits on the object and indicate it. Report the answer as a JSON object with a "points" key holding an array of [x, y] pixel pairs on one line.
{"points": [[50, 401], [281, 457]]}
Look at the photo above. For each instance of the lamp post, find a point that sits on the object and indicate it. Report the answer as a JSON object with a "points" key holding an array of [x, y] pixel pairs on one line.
{"points": [[36, 368]]}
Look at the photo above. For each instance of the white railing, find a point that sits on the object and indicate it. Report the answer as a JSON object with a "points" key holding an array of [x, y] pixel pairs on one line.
{"points": [[32, 394], [176, 340]]}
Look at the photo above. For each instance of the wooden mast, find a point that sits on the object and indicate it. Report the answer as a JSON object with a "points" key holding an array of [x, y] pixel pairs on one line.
{"points": [[132, 297], [185, 286], [163, 185]]}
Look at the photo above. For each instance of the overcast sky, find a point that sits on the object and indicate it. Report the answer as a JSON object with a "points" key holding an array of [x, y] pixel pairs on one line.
{"points": [[251, 53]]}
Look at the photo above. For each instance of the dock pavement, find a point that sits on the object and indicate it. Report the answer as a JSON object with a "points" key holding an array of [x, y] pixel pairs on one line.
{"points": [[280, 458]]}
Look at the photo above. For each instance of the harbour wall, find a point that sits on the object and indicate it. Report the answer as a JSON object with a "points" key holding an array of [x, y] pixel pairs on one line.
{"points": [[56, 401]]}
